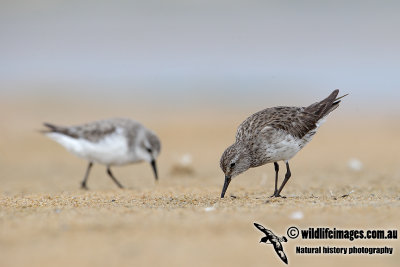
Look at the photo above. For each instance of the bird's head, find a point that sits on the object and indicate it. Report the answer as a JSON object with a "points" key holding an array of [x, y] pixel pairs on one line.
{"points": [[264, 239], [150, 148], [234, 161]]}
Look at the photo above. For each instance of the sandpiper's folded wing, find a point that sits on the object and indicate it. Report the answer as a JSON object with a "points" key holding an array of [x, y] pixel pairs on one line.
{"points": [[92, 131], [297, 121], [290, 119]]}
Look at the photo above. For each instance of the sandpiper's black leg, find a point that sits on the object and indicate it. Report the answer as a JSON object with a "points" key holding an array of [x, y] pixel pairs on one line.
{"points": [[83, 184], [113, 178], [276, 178], [287, 176]]}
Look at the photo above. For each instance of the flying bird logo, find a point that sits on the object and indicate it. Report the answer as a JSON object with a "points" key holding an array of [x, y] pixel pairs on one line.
{"points": [[274, 240]]}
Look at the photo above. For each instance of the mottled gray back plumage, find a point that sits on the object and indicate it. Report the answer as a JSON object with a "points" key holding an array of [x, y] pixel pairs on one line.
{"points": [[97, 130], [297, 121]]}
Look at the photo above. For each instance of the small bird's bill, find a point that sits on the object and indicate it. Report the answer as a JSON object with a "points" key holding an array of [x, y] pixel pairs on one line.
{"points": [[226, 184], [154, 166]]}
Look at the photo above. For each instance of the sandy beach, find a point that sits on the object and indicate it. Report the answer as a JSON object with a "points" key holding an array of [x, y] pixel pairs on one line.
{"points": [[46, 220]]}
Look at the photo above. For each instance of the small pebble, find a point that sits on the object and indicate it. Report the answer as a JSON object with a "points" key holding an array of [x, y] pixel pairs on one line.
{"points": [[346, 195]]}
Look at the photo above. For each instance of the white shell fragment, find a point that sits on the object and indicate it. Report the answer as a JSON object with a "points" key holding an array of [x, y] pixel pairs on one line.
{"points": [[209, 209], [355, 164], [297, 215]]}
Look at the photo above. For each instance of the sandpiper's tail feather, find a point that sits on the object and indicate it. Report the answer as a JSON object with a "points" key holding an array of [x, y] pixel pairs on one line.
{"points": [[326, 106], [58, 129], [52, 127]]}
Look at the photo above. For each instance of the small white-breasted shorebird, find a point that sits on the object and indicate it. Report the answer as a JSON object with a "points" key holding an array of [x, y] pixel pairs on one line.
{"points": [[272, 135], [109, 142]]}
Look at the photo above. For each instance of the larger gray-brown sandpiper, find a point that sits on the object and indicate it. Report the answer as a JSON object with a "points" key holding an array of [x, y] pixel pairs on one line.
{"points": [[272, 135]]}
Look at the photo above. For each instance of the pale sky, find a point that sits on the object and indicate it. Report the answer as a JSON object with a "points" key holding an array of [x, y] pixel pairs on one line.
{"points": [[226, 48]]}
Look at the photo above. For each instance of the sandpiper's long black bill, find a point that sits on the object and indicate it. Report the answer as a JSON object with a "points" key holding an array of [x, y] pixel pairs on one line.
{"points": [[154, 166], [226, 184]]}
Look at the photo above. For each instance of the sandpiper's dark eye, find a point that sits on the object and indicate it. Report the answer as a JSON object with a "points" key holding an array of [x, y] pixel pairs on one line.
{"points": [[148, 150], [233, 164]]}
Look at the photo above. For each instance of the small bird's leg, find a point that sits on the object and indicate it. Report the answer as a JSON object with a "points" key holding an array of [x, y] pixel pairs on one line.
{"points": [[113, 178], [276, 178], [287, 176], [83, 184]]}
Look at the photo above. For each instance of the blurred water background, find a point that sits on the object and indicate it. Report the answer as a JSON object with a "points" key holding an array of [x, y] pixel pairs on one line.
{"points": [[203, 54]]}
